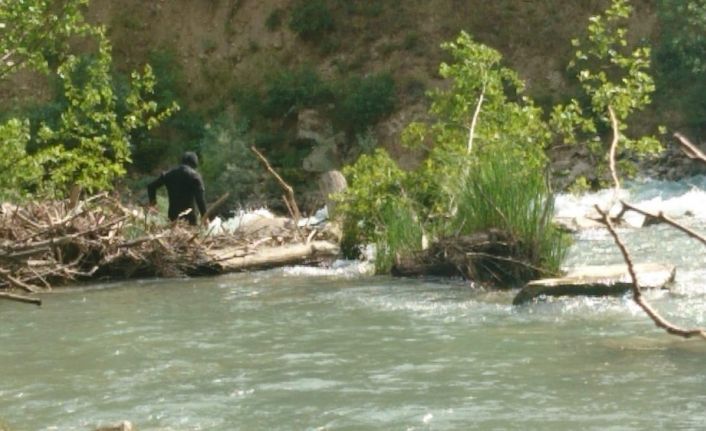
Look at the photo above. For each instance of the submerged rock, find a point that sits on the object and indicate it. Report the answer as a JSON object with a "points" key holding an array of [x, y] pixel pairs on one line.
{"points": [[600, 280], [122, 426]]}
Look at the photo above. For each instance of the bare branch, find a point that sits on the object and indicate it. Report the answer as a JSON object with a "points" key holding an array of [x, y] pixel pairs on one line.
{"points": [[613, 151], [690, 149], [662, 217], [658, 320], [474, 121], [291, 202]]}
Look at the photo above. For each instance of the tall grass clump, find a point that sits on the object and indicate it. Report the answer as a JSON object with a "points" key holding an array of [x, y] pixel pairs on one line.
{"points": [[402, 235], [497, 195]]}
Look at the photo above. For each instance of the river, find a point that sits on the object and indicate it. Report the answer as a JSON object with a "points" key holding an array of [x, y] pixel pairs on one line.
{"points": [[314, 349]]}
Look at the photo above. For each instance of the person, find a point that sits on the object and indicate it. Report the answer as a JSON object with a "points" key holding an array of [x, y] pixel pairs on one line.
{"points": [[184, 188]]}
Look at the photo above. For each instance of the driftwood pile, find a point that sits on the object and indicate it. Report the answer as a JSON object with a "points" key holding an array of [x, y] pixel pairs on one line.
{"points": [[492, 257], [50, 243]]}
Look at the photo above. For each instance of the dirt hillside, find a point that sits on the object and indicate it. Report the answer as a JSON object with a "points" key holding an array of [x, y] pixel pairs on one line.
{"points": [[223, 44]]}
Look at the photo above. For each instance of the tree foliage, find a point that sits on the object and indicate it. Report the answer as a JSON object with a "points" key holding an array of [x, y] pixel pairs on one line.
{"points": [[680, 59], [36, 33], [89, 145], [612, 75], [507, 124], [485, 145]]}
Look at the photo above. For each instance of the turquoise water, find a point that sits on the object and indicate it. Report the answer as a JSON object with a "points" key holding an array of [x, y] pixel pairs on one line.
{"points": [[271, 351], [297, 349]]}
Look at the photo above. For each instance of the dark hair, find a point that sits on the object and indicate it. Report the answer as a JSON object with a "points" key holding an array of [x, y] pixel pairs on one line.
{"points": [[190, 158]]}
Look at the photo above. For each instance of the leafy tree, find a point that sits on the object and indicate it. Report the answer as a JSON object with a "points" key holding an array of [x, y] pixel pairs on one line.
{"points": [[482, 115], [89, 144], [20, 171], [35, 33], [613, 76], [485, 168]]}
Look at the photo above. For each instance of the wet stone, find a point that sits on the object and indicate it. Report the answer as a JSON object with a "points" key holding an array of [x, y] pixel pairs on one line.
{"points": [[600, 280]]}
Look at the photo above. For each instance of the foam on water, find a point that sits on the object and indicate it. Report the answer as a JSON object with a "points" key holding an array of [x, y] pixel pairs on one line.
{"points": [[685, 198], [339, 268]]}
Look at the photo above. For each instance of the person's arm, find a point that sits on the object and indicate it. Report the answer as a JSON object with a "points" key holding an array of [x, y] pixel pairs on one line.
{"points": [[200, 196], [152, 189]]}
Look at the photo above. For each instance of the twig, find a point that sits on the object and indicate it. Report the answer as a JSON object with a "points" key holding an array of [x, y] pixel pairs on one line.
{"points": [[689, 149], [7, 275], [660, 216], [637, 294], [508, 259], [296, 215]]}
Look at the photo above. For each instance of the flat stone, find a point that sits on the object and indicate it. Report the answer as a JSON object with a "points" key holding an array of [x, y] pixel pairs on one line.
{"points": [[600, 280]]}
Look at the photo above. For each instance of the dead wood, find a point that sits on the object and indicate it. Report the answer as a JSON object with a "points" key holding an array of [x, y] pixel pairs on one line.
{"points": [[689, 149], [693, 153], [658, 320], [50, 244], [491, 257], [289, 197]]}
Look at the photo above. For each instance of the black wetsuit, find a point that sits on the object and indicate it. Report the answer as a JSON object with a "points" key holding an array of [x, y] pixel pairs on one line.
{"points": [[184, 188]]}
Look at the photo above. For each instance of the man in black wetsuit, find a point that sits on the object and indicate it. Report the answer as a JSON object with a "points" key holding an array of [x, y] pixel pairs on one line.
{"points": [[184, 188]]}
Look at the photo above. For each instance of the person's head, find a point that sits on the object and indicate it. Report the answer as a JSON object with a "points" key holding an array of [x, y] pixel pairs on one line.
{"points": [[190, 159]]}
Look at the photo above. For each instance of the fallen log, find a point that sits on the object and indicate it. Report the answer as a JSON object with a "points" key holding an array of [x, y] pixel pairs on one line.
{"points": [[272, 257]]}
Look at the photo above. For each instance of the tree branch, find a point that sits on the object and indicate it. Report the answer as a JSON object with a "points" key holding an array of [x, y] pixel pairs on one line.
{"points": [[661, 217], [290, 201], [658, 320], [690, 149], [474, 121], [613, 151]]}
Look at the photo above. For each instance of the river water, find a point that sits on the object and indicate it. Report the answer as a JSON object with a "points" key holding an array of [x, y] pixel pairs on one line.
{"points": [[313, 349]]}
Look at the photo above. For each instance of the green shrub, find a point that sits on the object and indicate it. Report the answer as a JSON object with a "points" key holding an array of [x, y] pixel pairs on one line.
{"points": [[376, 184], [363, 101], [274, 20], [461, 188], [310, 19], [290, 90], [227, 164]]}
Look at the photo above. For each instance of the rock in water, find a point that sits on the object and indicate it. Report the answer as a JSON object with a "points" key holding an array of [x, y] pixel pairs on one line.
{"points": [[601, 280], [122, 426]]}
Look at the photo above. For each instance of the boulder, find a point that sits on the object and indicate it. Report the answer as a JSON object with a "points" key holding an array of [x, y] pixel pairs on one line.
{"points": [[313, 126], [601, 280], [330, 183], [323, 157]]}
